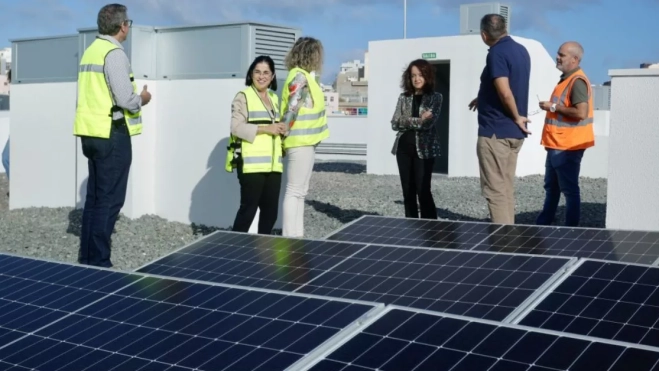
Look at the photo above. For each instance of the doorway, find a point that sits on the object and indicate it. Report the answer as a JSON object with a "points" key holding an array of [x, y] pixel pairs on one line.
{"points": [[443, 86]]}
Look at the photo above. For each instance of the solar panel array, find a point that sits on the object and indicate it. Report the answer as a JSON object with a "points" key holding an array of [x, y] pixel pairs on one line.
{"points": [[602, 299], [625, 246], [379, 294], [404, 339], [64, 317], [478, 284]]}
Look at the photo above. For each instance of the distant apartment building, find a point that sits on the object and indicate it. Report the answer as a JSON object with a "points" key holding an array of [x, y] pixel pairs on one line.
{"points": [[5, 60], [5, 66], [351, 85], [332, 102]]}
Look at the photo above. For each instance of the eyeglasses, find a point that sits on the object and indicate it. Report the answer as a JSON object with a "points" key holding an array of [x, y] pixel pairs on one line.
{"points": [[130, 22]]}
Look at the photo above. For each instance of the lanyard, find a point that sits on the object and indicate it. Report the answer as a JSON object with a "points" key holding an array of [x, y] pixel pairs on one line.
{"points": [[271, 112]]}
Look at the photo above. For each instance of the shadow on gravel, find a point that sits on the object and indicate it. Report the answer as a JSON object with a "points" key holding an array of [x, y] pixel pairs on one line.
{"points": [[75, 222], [342, 215], [340, 167], [204, 230], [593, 215]]}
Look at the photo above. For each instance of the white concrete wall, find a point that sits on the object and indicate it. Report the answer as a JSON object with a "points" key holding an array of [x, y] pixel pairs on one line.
{"points": [[466, 54], [193, 130], [43, 148], [346, 130], [178, 161], [633, 191], [4, 134]]}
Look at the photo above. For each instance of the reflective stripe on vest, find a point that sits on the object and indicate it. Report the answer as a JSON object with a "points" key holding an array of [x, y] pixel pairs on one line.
{"points": [[94, 103], [264, 155], [567, 133], [310, 126]]}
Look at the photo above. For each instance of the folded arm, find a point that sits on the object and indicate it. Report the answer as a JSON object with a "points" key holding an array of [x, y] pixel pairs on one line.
{"points": [[401, 123]]}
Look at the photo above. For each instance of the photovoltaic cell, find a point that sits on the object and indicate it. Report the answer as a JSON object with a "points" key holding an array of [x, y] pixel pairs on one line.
{"points": [[616, 245], [161, 324], [414, 232], [607, 300], [403, 340], [269, 262], [34, 293], [481, 285]]}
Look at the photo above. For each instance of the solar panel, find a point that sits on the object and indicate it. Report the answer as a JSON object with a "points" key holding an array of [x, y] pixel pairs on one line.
{"points": [[34, 293], [482, 285], [414, 232], [603, 299], [156, 324], [269, 262], [403, 339], [616, 245]]}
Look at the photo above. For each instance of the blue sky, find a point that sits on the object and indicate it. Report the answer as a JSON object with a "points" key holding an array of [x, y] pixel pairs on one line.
{"points": [[613, 35]]}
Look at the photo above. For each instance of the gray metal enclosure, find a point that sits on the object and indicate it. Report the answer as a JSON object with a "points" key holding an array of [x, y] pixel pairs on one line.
{"points": [[216, 51]]}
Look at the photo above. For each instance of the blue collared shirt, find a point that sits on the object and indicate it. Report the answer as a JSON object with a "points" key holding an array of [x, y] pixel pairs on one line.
{"points": [[506, 58]]}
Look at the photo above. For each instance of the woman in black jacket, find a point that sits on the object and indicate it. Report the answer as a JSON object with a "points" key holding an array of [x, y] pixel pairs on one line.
{"points": [[416, 146]]}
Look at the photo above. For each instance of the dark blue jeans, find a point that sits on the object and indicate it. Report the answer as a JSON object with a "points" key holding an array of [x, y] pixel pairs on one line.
{"points": [[109, 162], [562, 176]]}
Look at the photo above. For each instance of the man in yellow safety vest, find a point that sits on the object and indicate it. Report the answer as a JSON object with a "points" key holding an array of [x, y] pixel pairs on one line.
{"points": [[108, 114]]}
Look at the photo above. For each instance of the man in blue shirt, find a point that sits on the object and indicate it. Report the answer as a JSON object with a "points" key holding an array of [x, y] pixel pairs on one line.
{"points": [[502, 105]]}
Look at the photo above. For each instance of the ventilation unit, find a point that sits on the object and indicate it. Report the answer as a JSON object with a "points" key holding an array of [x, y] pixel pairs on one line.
{"points": [[471, 14], [275, 43]]}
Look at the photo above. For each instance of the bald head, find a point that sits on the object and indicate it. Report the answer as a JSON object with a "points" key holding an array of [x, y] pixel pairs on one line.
{"points": [[574, 49], [569, 56]]}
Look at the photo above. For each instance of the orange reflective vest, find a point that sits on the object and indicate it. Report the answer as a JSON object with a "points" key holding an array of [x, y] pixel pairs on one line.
{"points": [[568, 133]]}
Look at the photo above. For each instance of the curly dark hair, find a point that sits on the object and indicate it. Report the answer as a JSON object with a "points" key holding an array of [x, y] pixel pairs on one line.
{"points": [[428, 73]]}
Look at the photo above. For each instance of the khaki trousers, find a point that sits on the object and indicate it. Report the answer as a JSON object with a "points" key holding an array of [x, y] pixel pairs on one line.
{"points": [[497, 160]]}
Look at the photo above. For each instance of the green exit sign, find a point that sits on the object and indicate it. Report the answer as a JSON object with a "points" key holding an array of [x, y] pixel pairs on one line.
{"points": [[429, 55]]}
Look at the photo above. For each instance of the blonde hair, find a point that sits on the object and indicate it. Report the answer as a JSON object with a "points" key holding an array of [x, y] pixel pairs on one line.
{"points": [[307, 53]]}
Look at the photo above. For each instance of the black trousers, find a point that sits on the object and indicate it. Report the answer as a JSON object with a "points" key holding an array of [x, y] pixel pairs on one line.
{"points": [[258, 191], [415, 179], [109, 163]]}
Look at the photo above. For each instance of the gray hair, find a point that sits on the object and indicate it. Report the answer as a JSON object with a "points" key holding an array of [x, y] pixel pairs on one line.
{"points": [[494, 26], [110, 19]]}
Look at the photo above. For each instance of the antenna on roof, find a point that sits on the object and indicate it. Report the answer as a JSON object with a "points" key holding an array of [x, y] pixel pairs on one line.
{"points": [[404, 19]]}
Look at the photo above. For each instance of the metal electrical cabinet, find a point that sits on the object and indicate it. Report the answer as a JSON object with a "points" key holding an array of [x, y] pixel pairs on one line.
{"points": [[45, 60], [216, 51]]}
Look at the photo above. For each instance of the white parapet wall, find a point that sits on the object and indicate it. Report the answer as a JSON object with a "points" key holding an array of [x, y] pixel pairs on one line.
{"points": [[632, 193], [178, 161], [466, 56], [4, 133]]}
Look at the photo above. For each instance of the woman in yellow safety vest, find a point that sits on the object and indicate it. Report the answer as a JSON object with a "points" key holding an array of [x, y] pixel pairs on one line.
{"points": [[255, 148], [304, 117]]}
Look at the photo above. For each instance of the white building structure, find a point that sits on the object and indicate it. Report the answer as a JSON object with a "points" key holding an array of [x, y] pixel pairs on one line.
{"points": [[178, 162]]}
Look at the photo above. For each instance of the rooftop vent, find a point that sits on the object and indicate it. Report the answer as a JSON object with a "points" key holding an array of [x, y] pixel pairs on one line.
{"points": [[471, 14]]}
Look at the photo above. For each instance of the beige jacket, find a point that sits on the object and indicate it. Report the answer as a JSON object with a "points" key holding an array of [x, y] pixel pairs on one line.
{"points": [[239, 126]]}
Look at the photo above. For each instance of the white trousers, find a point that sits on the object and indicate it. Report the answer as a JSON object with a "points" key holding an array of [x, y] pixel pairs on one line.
{"points": [[298, 176]]}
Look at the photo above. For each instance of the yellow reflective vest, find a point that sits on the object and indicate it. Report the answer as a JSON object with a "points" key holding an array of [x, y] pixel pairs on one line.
{"points": [[95, 106], [264, 155], [310, 127]]}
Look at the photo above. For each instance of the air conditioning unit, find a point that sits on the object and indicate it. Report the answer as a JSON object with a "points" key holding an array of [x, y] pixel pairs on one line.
{"points": [[471, 15]]}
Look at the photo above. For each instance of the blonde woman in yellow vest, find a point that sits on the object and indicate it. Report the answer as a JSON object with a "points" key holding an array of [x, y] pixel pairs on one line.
{"points": [[305, 119], [255, 148]]}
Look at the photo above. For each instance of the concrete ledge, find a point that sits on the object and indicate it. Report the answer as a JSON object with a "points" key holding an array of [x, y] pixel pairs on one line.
{"points": [[634, 72]]}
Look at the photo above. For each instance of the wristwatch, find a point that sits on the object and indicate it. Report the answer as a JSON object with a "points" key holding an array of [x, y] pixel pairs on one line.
{"points": [[552, 108]]}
